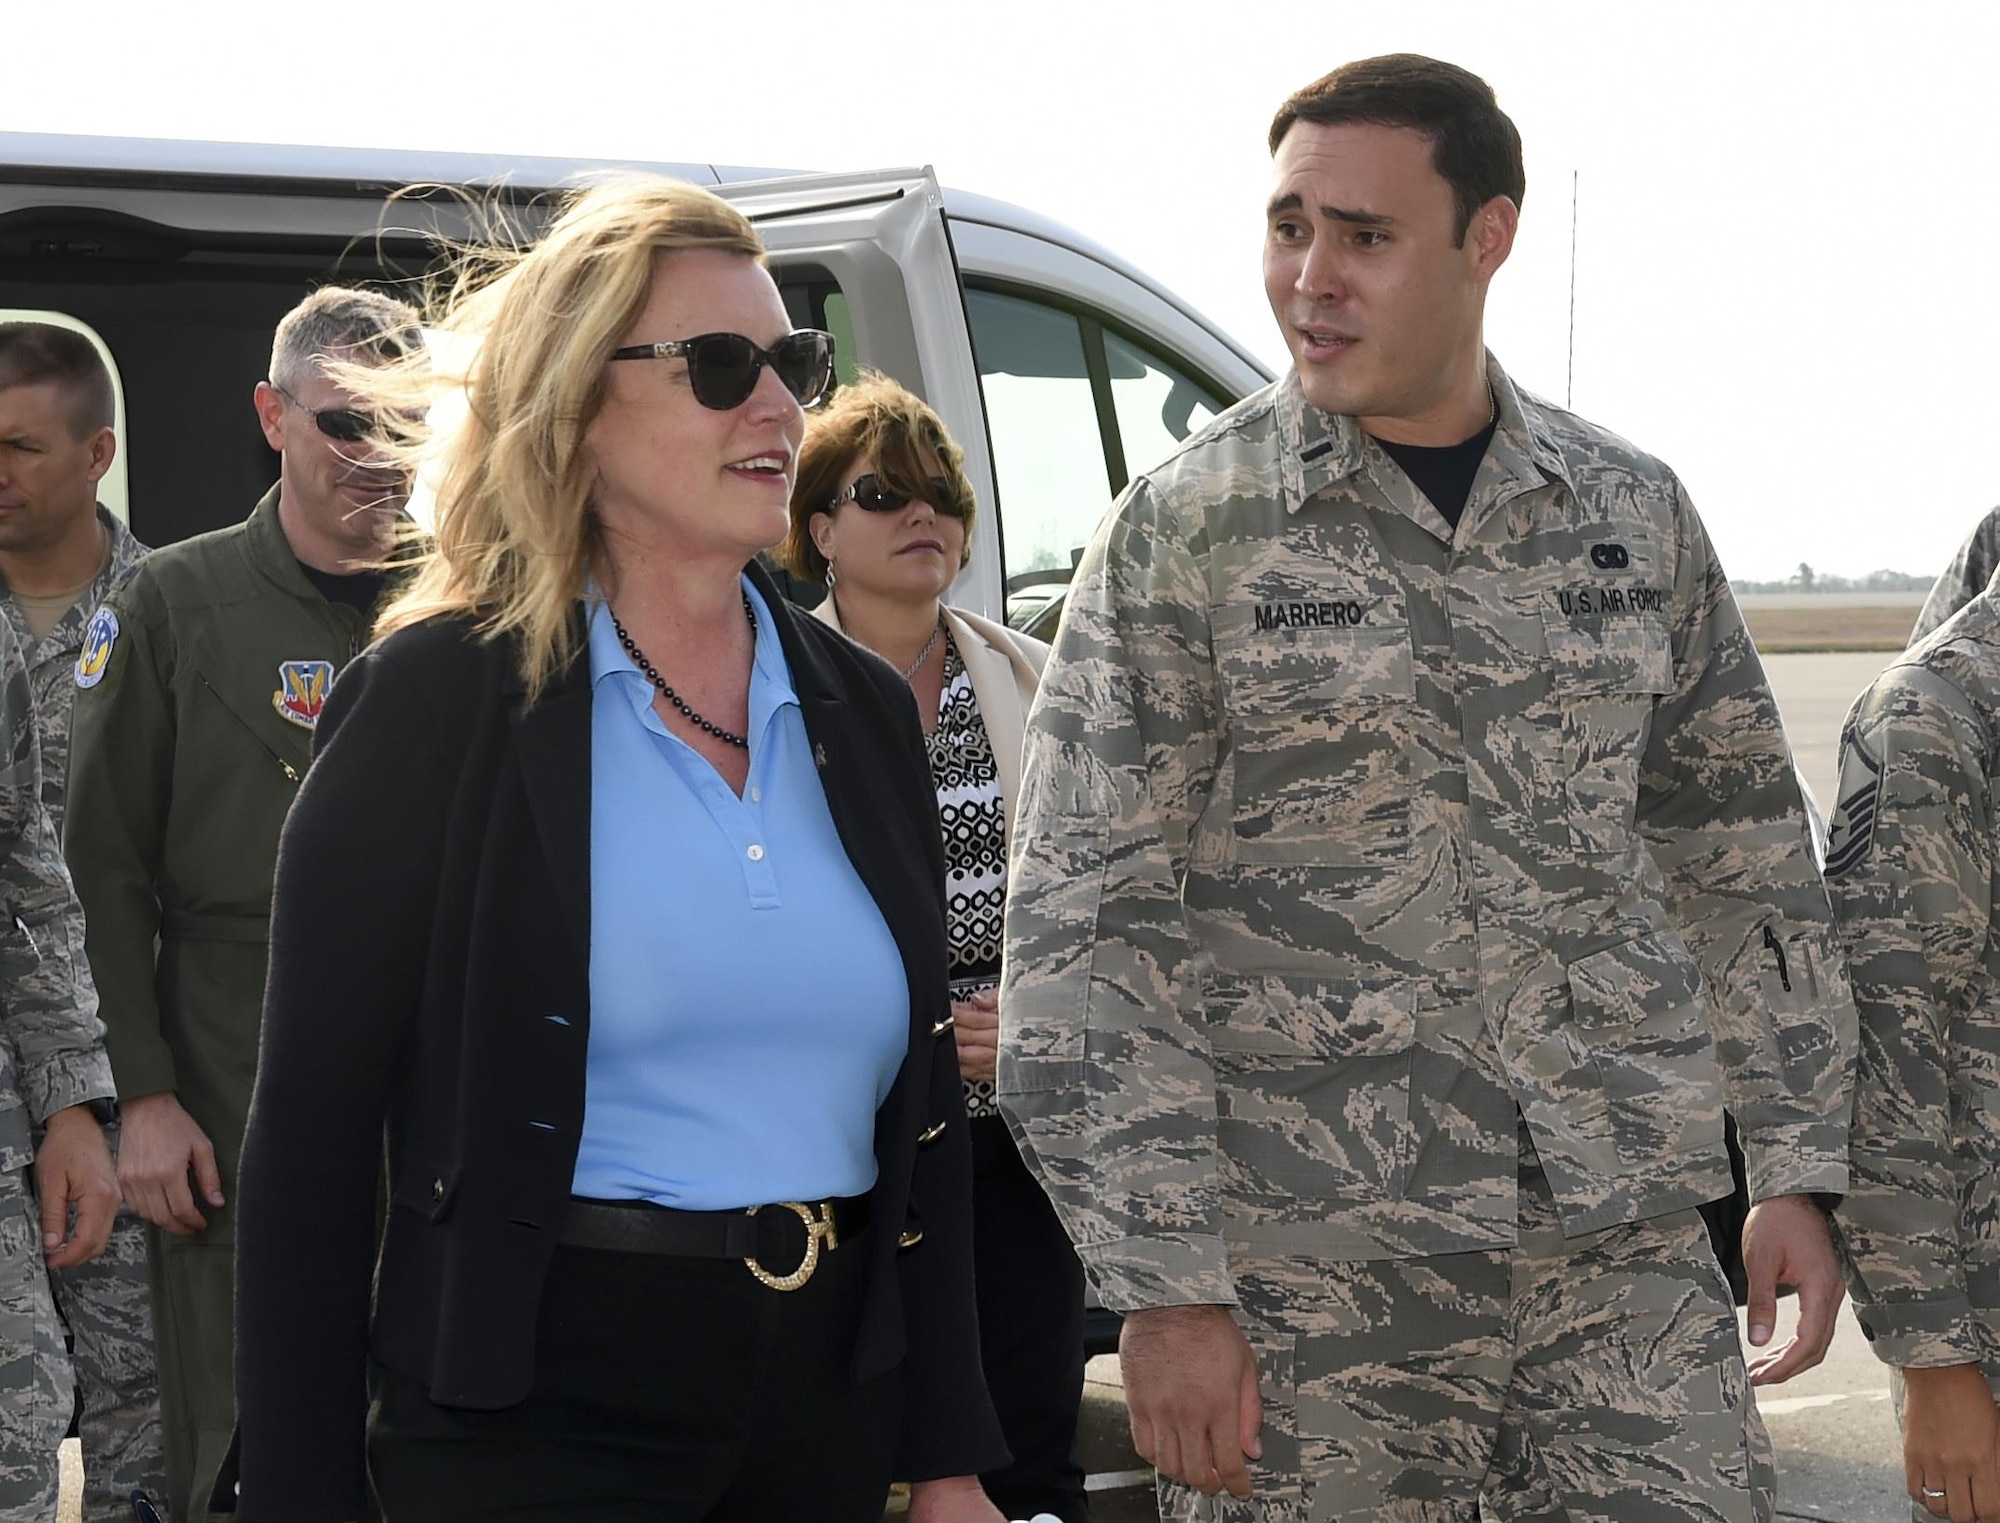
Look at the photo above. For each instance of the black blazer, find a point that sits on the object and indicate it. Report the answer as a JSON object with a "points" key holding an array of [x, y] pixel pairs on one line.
{"points": [[430, 934]]}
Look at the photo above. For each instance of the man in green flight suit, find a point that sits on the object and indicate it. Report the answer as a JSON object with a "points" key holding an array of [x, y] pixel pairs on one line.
{"points": [[198, 687]]}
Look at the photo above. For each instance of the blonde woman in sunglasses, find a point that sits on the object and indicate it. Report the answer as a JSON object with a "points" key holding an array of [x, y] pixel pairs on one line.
{"points": [[883, 515], [612, 905]]}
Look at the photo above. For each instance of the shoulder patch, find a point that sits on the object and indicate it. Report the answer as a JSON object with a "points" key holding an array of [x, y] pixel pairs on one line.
{"points": [[99, 635], [1851, 831], [302, 690]]}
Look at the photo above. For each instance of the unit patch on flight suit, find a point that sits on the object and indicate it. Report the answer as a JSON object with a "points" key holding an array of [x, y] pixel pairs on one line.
{"points": [[98, 638], [302, 690]]}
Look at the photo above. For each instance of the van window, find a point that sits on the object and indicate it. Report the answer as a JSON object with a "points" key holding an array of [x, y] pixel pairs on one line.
{"points": [[1041, 419], [1157, 406], [1074, 408], [111, 491]]}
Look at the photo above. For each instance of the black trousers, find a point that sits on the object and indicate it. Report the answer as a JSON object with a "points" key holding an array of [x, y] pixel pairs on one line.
{"points": [[667, 1390], [1030, 1290]]}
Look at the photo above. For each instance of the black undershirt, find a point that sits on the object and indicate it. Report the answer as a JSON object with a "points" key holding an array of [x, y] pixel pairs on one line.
{"points": [[1443, 473], [357, 589]]}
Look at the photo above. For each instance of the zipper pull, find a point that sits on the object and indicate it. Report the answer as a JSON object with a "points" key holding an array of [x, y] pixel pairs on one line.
{"points": [[1778, 949], [27, 935]]}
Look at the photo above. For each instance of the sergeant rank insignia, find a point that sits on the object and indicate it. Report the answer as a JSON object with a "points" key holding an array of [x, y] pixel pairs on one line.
{"points": [[302, 690], [98, 638]]}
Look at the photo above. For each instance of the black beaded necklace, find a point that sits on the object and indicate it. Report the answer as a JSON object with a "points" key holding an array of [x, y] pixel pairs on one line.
{"points": [[639, 660]]}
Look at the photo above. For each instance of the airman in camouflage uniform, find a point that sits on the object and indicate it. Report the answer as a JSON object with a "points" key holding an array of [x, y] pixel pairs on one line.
{"points": [[56, 394], [1913, 864], [52, 1068], [1965, 578], [1396, 909]]}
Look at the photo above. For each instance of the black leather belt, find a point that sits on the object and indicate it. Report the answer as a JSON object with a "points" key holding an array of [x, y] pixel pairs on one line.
{"points": [[787, 1232]]}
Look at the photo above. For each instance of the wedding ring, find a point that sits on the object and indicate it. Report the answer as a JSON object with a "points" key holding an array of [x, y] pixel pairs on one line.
{"points": [[1929, 1495]]}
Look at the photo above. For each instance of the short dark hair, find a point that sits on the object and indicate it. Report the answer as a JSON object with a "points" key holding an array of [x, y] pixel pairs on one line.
{"points": [[33, 353], [1474, 146]]}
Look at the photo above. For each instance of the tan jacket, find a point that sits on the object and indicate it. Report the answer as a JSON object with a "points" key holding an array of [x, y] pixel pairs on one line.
{"points": [[1005, 667]]}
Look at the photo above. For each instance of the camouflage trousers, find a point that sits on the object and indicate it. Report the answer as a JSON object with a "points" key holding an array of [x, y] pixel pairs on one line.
{"points": [[1589, 1380], [106, 1305], [37, 1394]]}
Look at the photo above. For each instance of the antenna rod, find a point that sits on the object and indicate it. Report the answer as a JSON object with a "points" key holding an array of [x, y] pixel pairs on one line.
{"points": [[1569, 387]]}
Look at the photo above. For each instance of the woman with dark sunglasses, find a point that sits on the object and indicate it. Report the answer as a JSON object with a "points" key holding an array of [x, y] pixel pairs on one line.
{"points": [[608, 920], [883, 515]]}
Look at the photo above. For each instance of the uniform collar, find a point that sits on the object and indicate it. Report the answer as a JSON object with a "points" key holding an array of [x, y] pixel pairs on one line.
{"points": [[272, 553], [1322, 449], [66, 637]]}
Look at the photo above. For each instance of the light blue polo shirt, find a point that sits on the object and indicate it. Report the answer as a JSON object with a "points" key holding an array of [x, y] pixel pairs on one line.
{"points": [[748, 1005]]}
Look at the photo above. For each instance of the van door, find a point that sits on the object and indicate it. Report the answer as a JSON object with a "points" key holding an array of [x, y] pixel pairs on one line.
{"points": [[869, 258]]}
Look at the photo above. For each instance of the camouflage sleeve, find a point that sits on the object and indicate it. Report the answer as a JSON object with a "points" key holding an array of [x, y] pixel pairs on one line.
{"points": [[1719, 804], [1911, 877], [114, 830], [1105, 1069], [49, 1007], [1965, 578]]}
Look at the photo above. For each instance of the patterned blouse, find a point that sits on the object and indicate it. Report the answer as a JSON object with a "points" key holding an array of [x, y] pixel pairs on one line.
{"points": [[973, 812]]}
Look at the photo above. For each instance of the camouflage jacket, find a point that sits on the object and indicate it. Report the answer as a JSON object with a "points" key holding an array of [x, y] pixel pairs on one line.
{"points": [[1965, 578], [52, 662], [53, 1056], [1913, 865], [1348, 842]]}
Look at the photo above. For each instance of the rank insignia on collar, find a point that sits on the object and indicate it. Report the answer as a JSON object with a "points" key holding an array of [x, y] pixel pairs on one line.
{"points": [[98, 638], [302, 690]]}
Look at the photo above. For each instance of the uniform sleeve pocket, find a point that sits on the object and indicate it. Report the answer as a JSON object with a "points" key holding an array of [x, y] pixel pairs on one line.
{"points": [[1055, 896], [1799, 982]]}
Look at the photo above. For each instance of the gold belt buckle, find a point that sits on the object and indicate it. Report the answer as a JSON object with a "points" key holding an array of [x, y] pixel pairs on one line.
{"points": [[817, 1228]]}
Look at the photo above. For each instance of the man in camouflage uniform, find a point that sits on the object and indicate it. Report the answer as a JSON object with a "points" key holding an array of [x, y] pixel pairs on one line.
{"points": [[1406, 881], [1965, 578], [61, 551], [199, 684], [1913, 864], [53, 1076]]}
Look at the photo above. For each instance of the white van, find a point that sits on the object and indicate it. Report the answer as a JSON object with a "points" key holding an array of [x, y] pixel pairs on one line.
{"points": [[1060, 368]]}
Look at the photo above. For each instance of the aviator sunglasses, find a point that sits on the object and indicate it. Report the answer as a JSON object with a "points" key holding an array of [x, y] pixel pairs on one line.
{"points": [[870, 496], [723, 367], [341, 423]]}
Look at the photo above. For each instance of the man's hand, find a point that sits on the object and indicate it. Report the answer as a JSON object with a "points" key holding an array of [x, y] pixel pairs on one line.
{"points": [[161, 1147], [1191, 1393], [956, 1499], [73, 1167], [1951, 1442], [1786, 1242], [977, 1026]]}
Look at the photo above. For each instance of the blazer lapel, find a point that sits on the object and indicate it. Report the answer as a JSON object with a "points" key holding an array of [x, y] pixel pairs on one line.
{"points": [[553, 742]]}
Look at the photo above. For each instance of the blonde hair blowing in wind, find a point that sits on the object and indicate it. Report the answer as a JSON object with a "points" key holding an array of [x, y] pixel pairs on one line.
{"points": [[516, 533]]}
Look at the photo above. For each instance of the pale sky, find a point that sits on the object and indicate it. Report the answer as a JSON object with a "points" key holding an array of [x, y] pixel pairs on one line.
{"points": [[1787, 232]]}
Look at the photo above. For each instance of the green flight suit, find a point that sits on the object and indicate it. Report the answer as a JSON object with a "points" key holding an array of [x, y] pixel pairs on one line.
{"points": [[198, 687]]}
